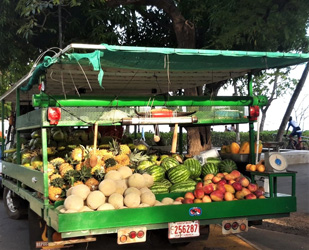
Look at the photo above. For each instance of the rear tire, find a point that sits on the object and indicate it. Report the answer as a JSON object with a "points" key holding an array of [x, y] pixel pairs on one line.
{"points": [[16, 207]]}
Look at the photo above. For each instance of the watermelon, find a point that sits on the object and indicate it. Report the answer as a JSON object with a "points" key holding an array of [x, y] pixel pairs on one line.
{"points": [[210, 168], [159, 188], [194, 166], [142, 166], [179, 174], [213, 160], [156, 172], [166, 182], [185, 186], [168, 163], [227, 166]]}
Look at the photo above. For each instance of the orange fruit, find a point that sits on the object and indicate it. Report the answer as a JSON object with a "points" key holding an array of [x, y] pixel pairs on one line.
{"points": [[248, 167], [252, 168], [261, 168]]}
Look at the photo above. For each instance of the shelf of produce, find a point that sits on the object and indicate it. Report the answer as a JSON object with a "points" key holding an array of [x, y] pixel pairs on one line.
{"points": [[97, 222]]}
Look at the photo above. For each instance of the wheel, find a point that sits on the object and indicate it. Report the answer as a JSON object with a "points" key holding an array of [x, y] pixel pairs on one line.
{"points": [[305, 146], [15, 206]]}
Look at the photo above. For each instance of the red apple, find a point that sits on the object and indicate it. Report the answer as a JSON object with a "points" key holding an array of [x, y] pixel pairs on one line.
{"points": [[262, 197], [197, 201], [229, 188], [228, 196], [220, 175], [222, 182], [235, 173], [206, 199], [258, 193], [244, 181], [237, 186], [239, 195], [231, 182], [221, 188], [189, 195], [250, 196], [208, 177], [216, 179], [217, 195], [207, 182], [179, 199], [245, 191], [209, 188], [252, 187], [199, 193], [199, 185], [187, 201]]}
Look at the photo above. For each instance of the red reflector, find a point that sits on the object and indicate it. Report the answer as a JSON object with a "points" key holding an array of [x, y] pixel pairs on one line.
{"points": [[235, 225], [242, 227], [132, 234], [54, 115], [227, 226], [254, 113], [140, 234]]}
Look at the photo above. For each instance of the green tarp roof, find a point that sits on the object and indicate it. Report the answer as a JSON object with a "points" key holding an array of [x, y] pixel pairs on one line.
{"points": [[114, 70]]}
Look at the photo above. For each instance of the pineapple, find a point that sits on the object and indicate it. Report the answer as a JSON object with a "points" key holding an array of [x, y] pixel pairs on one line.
{"points": [[55, 176], [84, 174], [123, 159], [54, 193], [57, 161], [92, 183], [124, 149], [136, 157], [65, 167], [50, 169], [98, 172], [78, 154]]}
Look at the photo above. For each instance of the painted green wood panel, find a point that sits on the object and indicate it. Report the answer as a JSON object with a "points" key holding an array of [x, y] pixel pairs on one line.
{"points": [[31, 178]]}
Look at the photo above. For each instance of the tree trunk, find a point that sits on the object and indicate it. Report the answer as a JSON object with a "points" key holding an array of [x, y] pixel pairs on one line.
{"points": [[292, 103]]}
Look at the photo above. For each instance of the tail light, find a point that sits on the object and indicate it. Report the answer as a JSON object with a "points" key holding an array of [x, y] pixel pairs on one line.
{"points": [[254, 112], [131, 235], [54, 115], [234, 226]]}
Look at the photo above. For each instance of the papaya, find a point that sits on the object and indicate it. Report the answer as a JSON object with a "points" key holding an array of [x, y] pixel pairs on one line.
{"points": [[260, 147], [234, 148], [244, 148]]}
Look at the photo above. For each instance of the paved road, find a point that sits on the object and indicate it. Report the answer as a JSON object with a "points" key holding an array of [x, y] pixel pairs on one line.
{"points": [[14, 234]]}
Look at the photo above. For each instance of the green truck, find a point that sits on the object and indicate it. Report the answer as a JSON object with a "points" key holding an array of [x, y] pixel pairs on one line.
{"points": [[86, 85]]}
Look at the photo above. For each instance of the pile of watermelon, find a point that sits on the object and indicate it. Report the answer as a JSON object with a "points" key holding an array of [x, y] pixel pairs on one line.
{"points": [[173, 175]]}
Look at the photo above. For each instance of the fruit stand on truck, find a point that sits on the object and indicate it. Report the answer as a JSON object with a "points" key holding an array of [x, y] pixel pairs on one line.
{"points": [[87, 90]]}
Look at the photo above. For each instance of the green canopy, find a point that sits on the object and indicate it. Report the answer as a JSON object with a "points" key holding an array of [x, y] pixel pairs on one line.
{"points": [[127, 70]]}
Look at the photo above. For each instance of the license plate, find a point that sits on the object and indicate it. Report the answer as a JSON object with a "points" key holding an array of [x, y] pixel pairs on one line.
{"points": [[183, 229]]}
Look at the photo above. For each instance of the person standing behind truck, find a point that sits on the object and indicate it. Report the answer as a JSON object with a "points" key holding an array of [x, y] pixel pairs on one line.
{"points": [[296, 129]]}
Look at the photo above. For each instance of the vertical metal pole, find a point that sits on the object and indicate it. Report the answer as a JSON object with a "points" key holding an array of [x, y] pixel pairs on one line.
{"points": [[17, 114], [45, 165], [2, 125], [180, 144], [251, 125]]}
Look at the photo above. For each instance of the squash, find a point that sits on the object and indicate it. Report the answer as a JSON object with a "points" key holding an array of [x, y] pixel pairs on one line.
{"points": [[95, 199], [107, 187], [81, 190], [74, 202], [116, 200], [132, 200], [125, 171], [234, 147], [136, 180], [148, 198]]}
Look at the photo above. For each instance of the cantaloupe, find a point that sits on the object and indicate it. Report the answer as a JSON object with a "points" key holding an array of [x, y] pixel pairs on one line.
{"points": [[148, 198], [144, 205], [148, 179], [144, 190], [69, 191], [121, 186], [167, 201], [136, 180], [105, 206], [114, 175], [95, 199], [132, 200], [86, 209], [132, 190], [81, 190], [158, 203], [116, 200], [125, 171], [74, 202], [107, 187]]}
